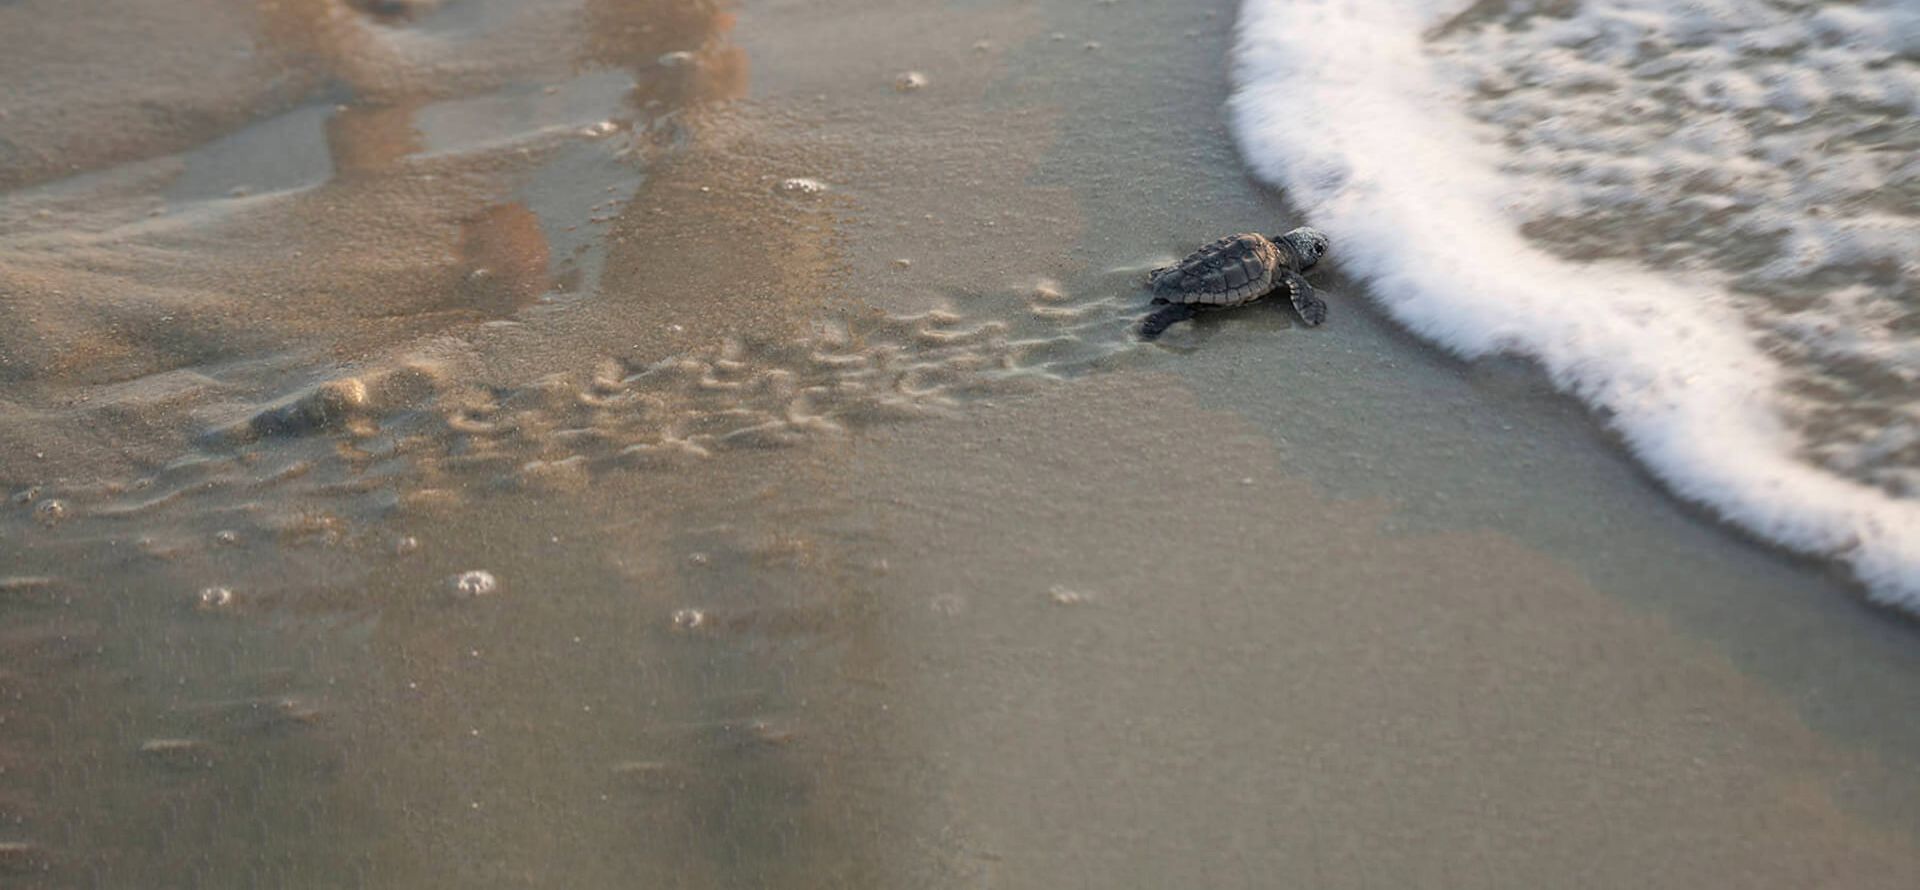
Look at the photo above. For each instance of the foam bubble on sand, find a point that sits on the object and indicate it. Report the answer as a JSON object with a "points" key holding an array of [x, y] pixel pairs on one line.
{"points": [[1340, 103]]}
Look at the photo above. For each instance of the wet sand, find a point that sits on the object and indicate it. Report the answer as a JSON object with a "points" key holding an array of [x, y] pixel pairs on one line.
{"points": [[815, 567], [1239, 680]]}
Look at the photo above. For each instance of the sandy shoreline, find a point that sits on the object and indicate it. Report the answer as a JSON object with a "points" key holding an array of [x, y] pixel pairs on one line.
{"points": [[1260, 606], [1320, 695]]}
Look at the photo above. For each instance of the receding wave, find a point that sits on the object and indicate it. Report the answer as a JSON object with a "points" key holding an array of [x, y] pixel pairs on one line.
{"points": [[1689, 214]]}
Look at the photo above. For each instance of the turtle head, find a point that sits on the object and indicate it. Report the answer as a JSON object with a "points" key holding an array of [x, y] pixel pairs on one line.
{"points": [[1307, 244]]}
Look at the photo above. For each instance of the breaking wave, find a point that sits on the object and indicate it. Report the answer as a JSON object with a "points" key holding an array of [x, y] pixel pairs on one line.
{"points": [[1700, 218]]}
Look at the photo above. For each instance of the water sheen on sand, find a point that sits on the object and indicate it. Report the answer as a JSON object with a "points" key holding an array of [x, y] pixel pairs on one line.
{"points": [[612, 443]]}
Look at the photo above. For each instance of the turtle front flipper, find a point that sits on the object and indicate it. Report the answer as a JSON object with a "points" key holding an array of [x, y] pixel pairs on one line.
{"points": [[1152, 326], [1305, 300]]}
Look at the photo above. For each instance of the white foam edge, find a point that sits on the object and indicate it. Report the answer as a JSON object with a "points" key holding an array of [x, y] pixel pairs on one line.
{"points": [[1338, 103]]}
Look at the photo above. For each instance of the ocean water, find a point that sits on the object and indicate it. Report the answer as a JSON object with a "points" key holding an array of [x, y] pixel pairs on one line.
{"points": [[609, 443], [1702, 219]]}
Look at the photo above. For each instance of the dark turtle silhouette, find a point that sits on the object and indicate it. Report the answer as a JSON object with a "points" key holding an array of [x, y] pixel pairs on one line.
{"points": [[1237, 270]]}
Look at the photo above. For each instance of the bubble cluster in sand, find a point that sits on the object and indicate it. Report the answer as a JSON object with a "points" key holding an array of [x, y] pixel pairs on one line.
{"points": [[801, 185], [51, 511], [23, 857], [178, 753], [214, 598], [1063, 595], [688, 619], [467, 585]]}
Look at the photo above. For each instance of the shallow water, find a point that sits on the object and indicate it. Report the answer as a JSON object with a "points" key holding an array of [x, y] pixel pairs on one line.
{"points": [[1698, 218], [804, 565], [1783, 161]]}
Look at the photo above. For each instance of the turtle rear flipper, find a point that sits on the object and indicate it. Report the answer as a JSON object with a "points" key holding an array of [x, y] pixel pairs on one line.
{"points": [[1304, 299], [1153, 325]]}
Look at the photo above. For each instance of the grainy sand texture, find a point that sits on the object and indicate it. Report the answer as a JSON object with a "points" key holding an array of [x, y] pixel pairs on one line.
{"points": [[687, 443]]}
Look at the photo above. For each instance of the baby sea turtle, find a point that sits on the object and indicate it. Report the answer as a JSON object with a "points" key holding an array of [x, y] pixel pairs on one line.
{"points": [[1237, 270]]}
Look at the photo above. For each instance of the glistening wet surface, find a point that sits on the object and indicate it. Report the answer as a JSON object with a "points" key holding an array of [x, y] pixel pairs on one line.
{"points": [[603, 443]]}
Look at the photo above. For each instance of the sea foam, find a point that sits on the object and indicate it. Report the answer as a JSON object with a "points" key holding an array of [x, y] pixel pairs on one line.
{"points": [[1346, 106]]}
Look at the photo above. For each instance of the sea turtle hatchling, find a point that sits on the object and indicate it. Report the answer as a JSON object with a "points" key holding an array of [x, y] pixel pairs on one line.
{"points": [[1237, 270]]}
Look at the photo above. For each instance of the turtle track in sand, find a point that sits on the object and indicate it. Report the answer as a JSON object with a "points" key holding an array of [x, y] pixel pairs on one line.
{"points": [[414, 436], [313, 475]]}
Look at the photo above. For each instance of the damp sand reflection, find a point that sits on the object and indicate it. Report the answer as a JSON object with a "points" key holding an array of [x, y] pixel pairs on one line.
{"points": [[524, 449]]}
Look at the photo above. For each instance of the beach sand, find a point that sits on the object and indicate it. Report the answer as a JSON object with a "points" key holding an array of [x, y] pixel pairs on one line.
{"points": [[839, 536]]}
